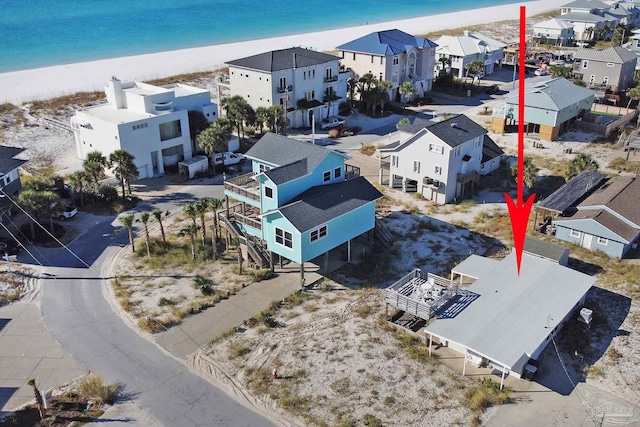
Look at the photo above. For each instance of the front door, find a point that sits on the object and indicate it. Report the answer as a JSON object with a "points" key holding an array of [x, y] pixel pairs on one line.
{"points": [[586, 241], [154, 161]]}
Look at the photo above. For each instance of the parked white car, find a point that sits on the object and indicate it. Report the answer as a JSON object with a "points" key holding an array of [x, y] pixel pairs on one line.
{"points": [[68, 212], [541, 72], [331, 122], [229, 158]]}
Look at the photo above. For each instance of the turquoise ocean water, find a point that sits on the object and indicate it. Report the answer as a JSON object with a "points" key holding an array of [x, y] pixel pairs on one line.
{"points": [[38, 33]]}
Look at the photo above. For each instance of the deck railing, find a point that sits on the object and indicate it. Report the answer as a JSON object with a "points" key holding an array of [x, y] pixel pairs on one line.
{"points": [[401, 294], [245, 186], [351, 172], [235, 212]]}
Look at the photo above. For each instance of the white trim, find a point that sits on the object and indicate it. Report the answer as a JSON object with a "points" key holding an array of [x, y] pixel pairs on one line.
{"points": [[324, 176], [603, 241], [284, 237], [575, 233], [265, 192], [318, 230]]}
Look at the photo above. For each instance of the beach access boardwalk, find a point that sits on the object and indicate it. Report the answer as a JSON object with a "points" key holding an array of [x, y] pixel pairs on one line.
{"points": [[198, 330]]}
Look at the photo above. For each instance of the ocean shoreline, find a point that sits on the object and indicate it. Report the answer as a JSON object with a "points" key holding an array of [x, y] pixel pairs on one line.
{"points": [[42, 83]]}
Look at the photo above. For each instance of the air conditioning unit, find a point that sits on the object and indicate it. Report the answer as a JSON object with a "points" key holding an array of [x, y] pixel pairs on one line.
{"points": [[586, 316]]}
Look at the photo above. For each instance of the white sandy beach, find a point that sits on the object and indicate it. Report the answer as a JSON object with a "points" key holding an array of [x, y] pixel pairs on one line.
{"points": [[42, 83]]}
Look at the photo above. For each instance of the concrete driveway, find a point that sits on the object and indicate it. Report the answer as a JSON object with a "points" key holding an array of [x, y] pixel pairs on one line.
{"points": [[29, 350]]}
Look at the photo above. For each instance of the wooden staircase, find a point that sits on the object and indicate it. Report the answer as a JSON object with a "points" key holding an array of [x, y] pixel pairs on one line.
{"points": [[382, 233], [255, 249]]}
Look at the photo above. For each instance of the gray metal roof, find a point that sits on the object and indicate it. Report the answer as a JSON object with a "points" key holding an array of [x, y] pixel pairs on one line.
{"points": [[279, 150], [615, 54], [475, 266], [586, 4], [389, 42], [490, 149], [554, 95], [544, 249], [513, 314], [295, 57], [573, 191], [322, 203], [582, 17], [7, 161]]}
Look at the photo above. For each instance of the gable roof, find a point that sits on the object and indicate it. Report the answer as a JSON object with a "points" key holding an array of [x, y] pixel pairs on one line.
{"points": [[389, 42], [554, 95], [625, 232], [554, 23], [569, 194], [322, 203], [7, 161], [544, 249], [582, 17], [621, 195], [294, 57], [586, 4], [615, 54], [490, 149], [415, 126], [279, 150], [460, 45], [492, 43]]}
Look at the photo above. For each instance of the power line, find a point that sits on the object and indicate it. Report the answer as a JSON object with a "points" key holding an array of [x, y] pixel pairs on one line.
{"points": [[14, 238], [45, 230]]}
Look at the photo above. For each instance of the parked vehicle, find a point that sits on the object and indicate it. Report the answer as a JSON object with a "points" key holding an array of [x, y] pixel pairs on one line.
{"points": [[229, 158], [331, 122], [68, 212], [541, 72], [493, 89], [10, 246]]}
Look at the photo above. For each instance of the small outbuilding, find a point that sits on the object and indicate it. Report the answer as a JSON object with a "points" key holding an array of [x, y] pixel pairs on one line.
{"points": [[192, 166]]}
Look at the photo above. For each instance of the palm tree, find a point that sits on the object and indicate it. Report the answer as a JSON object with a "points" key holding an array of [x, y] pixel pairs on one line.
{"points": [[200, 210], [444, 61], [406, 90], [633, 94], [127, 221], [144, 219], [123, 167], [215, 138], [39, 400], [40, 204], [352, 86], [238, 111], [385, 85], [190, 230], [78, 181], [530, 171], [157, 213], [95, 165], [197, 123], [190, 210], [213, 205], [476, 66], [368, 80], [580, 163], [262, 116]]}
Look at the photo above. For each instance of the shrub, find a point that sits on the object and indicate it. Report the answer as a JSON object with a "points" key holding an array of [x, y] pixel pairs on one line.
{"points": [[372, 421], [262, 274], [486, 393], [165, 301], [93, 387], [367, 149], [207, 289], [389, 400]]}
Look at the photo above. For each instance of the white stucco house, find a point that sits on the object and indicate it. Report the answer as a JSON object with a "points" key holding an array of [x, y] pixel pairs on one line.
{"points": [[554, 31], [392, 56], [442, 161], [282, 77], [150, 122], [462, 50]]}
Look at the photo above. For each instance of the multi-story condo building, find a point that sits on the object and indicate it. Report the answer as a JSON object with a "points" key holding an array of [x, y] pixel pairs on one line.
{"points": [[283, 77], [150, 122]]}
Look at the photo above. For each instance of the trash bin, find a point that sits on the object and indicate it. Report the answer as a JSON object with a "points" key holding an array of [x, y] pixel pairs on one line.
{"points": [[468, 93]]}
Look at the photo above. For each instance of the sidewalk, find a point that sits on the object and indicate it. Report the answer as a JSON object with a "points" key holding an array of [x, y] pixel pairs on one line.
{"points": [[198, 330]]}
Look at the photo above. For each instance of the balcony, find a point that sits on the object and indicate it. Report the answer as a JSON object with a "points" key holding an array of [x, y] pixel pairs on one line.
{"points": [[246, 215], [331, 79], [284, 89], [244, 186], [472, 176], [351, 172]]}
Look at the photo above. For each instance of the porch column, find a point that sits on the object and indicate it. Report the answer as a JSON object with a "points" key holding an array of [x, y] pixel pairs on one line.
{"points": [[464, 363], [390, 179], [226, 203], [430, 343], [242, 208], [302, 275], [326, 262], [271, 262], [504, 369], [349, 250], [281, 261], [404, 184], [380, 175]]}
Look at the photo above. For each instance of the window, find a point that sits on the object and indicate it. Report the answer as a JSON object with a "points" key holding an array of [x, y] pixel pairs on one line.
{"points": [[394, 78], [313, 73], [396, 60], [592, 78], [610, 64], [438, 170], [326, 176], [585, 63], [268, 192], [381, 60], [283, 82], [337, 172], [170, 130], [602, 241], [354, 56], [284, 238], [575, 233], [416, 166], [372, 59], [605, 80], [264, 168], [318, 233], [381, 79], [434, 148], [394, 161]]}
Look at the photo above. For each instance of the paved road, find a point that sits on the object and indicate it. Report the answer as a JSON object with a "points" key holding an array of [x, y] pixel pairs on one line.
{"points": [[77, 313]]}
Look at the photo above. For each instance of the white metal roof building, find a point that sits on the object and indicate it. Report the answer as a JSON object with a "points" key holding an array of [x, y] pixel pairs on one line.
{"points": [[512, 317]]}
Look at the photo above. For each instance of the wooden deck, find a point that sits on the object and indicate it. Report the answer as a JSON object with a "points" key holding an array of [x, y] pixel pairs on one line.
{"points": [[244, 185], [420, 294]]}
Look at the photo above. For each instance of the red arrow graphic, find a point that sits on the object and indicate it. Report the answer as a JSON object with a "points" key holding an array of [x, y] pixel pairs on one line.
{"points": [[519, 212]]}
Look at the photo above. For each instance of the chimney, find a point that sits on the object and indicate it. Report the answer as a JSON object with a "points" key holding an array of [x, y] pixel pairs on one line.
{"points": [[114, 93]]}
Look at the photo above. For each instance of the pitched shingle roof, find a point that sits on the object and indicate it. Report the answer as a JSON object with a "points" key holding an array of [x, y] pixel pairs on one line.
{"points": [[490, 149], [7, 161], [416, 126], [582, 17], [279, 150], [554, 23], [615, 54], [621, 195], [389, 42], [586, 4], [284, 59], [544, 249], [604, 218], [554, 95], [320, 204], [570, 194]]}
